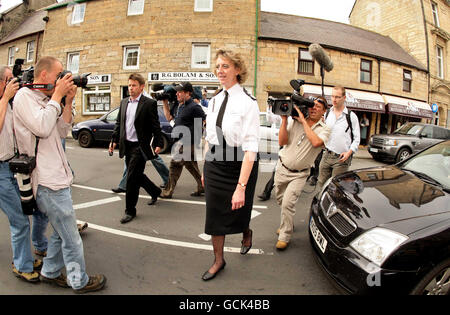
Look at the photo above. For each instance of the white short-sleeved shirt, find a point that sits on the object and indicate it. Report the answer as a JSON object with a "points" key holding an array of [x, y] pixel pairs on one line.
{"points": [[240, 124]]}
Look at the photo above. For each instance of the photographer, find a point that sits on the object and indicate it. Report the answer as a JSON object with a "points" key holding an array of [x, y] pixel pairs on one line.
{"points": [[9, 191], [302, 139], [39, 113]]}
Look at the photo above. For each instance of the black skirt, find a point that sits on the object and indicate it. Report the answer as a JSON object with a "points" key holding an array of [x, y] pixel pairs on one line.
{"points": [[221, 178]]}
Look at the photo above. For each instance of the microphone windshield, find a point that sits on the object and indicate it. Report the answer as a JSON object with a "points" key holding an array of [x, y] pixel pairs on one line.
{"points": [[319, 55]]}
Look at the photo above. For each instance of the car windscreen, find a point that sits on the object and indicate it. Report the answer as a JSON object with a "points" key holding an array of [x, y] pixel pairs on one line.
{"points": [[433, 163], [409, 129]]}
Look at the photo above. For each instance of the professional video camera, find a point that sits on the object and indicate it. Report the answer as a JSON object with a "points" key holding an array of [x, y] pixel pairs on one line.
{"points": [[26, 77], [164, 92], [285, 107]]}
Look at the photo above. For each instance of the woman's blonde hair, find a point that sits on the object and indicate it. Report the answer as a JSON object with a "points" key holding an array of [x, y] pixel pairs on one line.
{"points": [[237, 60]]}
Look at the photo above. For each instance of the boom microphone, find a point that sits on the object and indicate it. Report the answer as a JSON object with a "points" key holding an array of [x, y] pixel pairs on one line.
{"points": [[319, 55]]}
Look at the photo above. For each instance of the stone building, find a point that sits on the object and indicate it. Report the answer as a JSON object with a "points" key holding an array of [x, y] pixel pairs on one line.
{"points": [[371, 66], [166, 41], [422, 28], [173, 41]]}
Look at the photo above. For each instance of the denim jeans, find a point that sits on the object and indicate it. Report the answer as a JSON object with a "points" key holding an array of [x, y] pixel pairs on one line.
{"points": [[40, 223], [18, 222], [65, 246]]}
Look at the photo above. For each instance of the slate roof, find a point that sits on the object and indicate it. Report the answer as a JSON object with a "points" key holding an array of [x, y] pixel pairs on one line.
{"points": [[31, 25], [334, 35]]}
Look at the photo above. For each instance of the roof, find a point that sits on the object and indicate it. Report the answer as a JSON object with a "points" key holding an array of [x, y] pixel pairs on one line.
{"points": [[32, 25], [63, 4], [334, 35]]}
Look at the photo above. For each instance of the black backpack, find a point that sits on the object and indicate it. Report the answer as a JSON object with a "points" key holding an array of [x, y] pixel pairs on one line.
{"points": [[349, 121]]}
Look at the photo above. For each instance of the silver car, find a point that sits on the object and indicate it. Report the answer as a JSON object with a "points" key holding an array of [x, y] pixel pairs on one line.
{"points": [[408, 139]]}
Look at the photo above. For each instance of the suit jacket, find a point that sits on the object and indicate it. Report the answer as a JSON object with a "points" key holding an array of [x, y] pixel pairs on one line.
{"points": [[146, 123]]}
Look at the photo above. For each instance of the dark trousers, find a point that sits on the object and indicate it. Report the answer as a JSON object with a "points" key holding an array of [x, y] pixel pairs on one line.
{"points": [[136, 178]]}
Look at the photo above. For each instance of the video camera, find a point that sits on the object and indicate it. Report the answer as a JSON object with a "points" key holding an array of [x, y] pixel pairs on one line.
{"points": [[164, 92], [285, 107], [26, 77]]}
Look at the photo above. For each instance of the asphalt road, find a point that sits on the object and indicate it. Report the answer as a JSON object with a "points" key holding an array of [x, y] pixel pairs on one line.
{"points": [[164, 251]]}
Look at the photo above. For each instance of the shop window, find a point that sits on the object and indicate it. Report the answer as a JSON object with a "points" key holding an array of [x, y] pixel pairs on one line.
{"points": [[136, 7], [201, 55], [96, 99], [440, 62], [78, 13], [407, 81], [11, 53], [131, 57], [73, 62], [305, 62], [434, 9], [30, 51], [203, 6], [366, 71]]}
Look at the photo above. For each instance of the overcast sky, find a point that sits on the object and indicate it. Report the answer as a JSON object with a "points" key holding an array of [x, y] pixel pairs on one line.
{"points": [[334, 10]]}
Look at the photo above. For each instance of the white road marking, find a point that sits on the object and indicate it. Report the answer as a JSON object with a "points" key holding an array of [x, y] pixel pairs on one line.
{"points": [[96, 203], [167, 242], [159, 199]]}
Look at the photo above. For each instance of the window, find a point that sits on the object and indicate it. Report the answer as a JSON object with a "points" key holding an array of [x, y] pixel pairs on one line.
{"points": [[203, 6], [305, 62], [30, 50], [78, 13], [440, 62], [96, 99], [434, 9], [136, 7], [73, 62], [407, 80], [201, 55], [131, 57], [366, 71], [11, 52]]}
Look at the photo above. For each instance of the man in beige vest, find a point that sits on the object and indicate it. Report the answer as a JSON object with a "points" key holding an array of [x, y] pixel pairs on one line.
{"points": [[303, 139]]}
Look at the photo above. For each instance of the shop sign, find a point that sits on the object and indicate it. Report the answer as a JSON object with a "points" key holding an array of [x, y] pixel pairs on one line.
{"points": [[182, 76], [99, 79]]}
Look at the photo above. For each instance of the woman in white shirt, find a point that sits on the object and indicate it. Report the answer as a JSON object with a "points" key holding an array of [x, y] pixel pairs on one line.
{"points": [[231, 166]]}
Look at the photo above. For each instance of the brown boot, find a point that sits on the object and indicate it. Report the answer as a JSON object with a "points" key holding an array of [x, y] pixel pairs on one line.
{"points": [[95, 283]]}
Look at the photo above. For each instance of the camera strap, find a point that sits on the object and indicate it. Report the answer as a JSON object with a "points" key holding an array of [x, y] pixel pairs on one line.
{"points": [[46, 87]]}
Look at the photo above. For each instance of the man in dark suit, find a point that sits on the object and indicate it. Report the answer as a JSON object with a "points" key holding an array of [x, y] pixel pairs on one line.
{"points": [[137, 132]]}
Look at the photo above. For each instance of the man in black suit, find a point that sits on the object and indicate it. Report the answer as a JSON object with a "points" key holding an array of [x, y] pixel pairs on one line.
{"points": [[137, 132]]}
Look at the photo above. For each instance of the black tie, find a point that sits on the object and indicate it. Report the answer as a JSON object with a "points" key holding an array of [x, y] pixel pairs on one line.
{"points": [[222, 111]]}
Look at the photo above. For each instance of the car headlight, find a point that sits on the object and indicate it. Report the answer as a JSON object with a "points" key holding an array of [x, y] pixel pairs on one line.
{"points": [[378, 244], [390, 142]]}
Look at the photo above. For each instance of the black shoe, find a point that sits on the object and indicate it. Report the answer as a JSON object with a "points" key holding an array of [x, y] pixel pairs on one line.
{"points": [[245, 249], [264, 197], [209, 276], [118, 190], [163, 186], [152, 201], [127, 218]]}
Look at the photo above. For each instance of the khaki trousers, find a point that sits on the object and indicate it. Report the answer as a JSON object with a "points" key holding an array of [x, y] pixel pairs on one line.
{"points": [[288, 187], [330, 167]]}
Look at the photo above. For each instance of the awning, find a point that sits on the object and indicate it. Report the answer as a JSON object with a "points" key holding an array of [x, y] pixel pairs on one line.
{"points": [[407, 107], [356, 100]]}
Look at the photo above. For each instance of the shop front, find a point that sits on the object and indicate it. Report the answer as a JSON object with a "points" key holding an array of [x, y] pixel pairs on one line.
{"points": [[97, 95]]}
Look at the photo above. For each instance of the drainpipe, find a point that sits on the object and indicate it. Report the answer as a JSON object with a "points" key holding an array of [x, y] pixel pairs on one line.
{"points": [[256, 48], [427, 49]]}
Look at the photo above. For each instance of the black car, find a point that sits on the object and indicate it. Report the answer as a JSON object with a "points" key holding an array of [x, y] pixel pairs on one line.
{"points": [[386, 229], [101, 129]]}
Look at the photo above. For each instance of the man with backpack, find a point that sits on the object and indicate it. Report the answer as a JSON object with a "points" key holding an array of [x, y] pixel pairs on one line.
{"points": [[344, 139]]}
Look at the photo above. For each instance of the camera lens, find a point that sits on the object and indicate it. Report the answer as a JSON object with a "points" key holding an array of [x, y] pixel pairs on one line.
{"points": [[284, 107]]}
